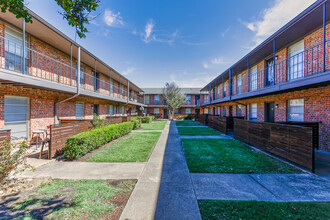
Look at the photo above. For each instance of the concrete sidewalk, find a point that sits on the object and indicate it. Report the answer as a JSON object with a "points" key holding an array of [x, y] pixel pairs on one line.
{"points": [[261, 187], [176, 199]]}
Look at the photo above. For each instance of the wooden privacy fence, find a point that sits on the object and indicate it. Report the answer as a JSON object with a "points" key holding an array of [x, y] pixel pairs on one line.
{"points": [[313, 125], [4, 135], [217, 123], [202, 118], [59, 133], [290, 142]]}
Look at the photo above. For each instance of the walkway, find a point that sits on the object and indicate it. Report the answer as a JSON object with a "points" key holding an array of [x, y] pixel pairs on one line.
{"points": [[142, 202], [180, 190]]}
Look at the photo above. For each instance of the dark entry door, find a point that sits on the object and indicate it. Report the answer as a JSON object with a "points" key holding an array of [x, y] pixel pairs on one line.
{"points": [[197, 111], [96, 109], [213, 110], [270, 73], [165, 114], [230, 111], [270, 112]]}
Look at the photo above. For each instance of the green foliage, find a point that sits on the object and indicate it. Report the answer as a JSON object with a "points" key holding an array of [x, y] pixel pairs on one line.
{"points": [[143, 119], [77, 12], [98, 122], [12, 158], [186, 117], [82, 143], [173, 98], [17, 8], [263, 210]]}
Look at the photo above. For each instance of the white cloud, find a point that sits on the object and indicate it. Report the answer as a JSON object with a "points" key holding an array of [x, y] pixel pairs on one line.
{"points": [[148, 31], [275, 17], [223, 34], [113, 19], [199, 81], [215, 62], [128, 71]]}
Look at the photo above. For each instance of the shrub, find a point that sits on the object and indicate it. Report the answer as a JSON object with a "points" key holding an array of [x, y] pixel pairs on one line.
{"points": [[98, 122], [82, 143], [148, 119], [12, 158], [137, 118]]}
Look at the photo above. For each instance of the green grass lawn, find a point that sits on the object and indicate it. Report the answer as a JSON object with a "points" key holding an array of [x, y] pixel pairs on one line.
{"points": [[74, 199], [229, 156], [197, 131], [187, 123], [155, 125], [134, 148], [263, 210]]}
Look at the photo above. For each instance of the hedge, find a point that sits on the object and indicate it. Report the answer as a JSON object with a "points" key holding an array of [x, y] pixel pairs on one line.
{"points": [[143, 119], [82, 143]]}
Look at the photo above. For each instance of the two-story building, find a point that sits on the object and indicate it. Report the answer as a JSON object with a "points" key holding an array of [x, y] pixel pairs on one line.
{"points": [[46, 76], [284, 79], [155, 104]]}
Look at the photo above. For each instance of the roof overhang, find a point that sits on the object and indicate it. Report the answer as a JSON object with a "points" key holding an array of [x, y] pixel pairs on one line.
{"points": [[306, 22], [44, 31]]}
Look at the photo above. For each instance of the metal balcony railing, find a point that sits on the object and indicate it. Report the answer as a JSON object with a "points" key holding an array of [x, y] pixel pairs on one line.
{"points": [[298, 66], [45, 67]]}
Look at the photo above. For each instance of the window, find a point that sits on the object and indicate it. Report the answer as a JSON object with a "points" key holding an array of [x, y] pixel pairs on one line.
{"points": [[111, 87], [296, 60], [111, 110], [188, 111], [206, 110], [146, 99], [296, 110], [188, 100], [253, 78], [239, 84], [156, 100], [253, 112], [224, 111], [219, 111], [224, 89], [14, 49], [156, 111], [16, 116], [197, 99], [79, 110], [122, 90], [239, 110]]}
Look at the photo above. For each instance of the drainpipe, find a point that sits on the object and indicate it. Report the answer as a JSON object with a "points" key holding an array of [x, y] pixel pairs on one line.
{"points": [[24, 72], [74, 96]]}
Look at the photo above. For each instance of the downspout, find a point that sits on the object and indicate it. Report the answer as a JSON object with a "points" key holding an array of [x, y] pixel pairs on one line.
{"points": [[72, 97]]}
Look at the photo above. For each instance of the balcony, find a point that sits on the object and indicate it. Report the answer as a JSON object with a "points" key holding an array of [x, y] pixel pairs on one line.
{"points": [[310, 67], [41, 71]]}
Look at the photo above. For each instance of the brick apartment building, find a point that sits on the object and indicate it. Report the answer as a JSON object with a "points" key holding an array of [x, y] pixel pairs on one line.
{"points": [[41, 80], [155, 104], [284, 79]]}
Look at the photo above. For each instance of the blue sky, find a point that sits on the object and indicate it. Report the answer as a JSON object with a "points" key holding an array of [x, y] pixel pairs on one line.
{"points": [[188, 42]]}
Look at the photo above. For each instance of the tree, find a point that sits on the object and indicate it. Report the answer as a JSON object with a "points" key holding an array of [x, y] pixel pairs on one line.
{"points": [[76, 12], [173, 98]]}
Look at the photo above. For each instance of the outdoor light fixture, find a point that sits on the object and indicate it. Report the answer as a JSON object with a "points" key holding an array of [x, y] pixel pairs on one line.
{"points": [[276, 106]]}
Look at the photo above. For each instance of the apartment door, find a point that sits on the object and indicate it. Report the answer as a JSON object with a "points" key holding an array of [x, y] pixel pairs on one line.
{"points": [[269, 112], [269, 73], [96, 109], [165, 114], [197, 111], [230, 111], [16, 116], [213, 111]]}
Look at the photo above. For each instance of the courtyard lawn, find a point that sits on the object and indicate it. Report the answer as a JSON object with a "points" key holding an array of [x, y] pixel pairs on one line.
{"points": [[197, 131], [136, 147], [74, 199], [229, 156], [187, 123], [263, 210], [155, 125]]}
